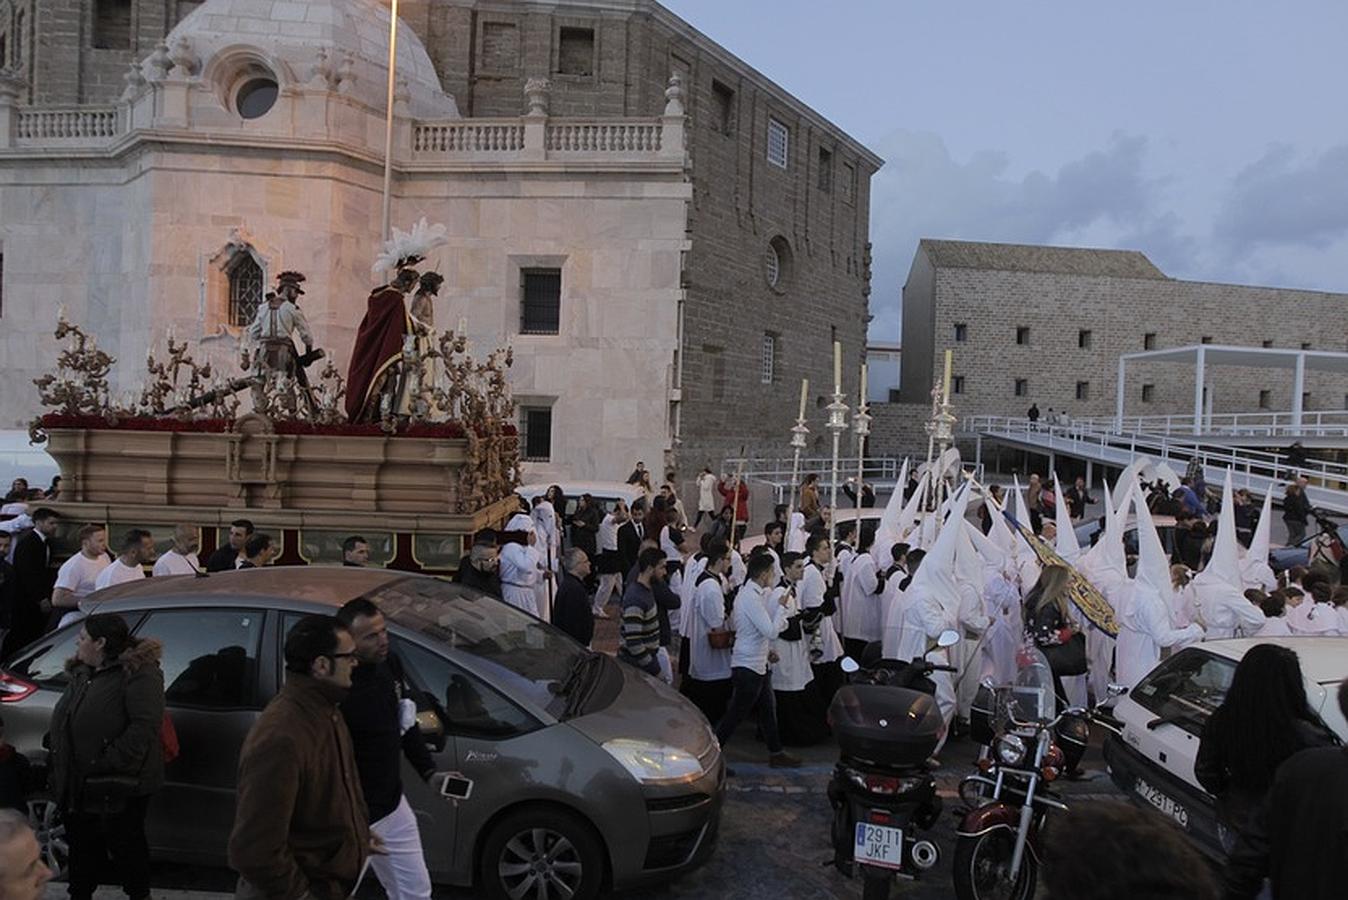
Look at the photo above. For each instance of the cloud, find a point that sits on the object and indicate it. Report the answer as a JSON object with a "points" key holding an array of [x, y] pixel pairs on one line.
{"points": [[1285, 200], [1105, 198]]}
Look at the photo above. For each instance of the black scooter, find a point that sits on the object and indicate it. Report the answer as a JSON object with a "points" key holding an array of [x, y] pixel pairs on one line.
{"points": [[882, 793]]}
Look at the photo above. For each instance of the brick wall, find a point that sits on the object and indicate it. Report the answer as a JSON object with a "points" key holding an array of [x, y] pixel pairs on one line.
{"points": [[1118, 312]]}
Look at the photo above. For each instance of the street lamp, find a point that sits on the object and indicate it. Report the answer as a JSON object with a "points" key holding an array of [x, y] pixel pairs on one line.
{"points": [[799, 434], [837, 424], [388, 118]]}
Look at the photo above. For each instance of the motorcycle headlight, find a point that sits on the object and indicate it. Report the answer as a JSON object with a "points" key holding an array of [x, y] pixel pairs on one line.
{"points": [[651, 763], [1010, 750]]}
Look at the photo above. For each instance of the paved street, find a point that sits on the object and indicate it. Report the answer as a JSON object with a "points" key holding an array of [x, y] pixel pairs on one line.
{"points": [[774, 838]]}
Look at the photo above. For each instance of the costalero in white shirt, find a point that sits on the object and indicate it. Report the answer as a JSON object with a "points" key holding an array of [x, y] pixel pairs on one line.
{"points": [[755, 628]]}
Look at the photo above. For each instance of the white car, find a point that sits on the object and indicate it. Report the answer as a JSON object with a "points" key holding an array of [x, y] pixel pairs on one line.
{"points": [[1153, 758], [869, 514]]}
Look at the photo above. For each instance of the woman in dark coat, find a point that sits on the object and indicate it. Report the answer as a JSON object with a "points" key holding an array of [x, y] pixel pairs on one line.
{"points": [[1263, 720], [107, 758]]}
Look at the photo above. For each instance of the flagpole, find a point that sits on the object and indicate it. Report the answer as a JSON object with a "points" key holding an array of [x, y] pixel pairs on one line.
{"points": [[388, 119]]}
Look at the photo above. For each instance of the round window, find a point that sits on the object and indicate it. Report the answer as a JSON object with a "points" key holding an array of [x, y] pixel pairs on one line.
{"points": [[256, 97], [772, 266]]}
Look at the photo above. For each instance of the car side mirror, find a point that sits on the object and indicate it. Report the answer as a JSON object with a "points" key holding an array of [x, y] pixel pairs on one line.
{"points": [[432, 729], [849, 665]]}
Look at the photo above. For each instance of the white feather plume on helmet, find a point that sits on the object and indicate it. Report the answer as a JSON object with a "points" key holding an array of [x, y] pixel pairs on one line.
{"points": [[407, 248]]}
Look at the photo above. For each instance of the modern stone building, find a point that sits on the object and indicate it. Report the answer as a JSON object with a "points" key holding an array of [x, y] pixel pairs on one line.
{"points": [[1047, 325], [668, 239]]}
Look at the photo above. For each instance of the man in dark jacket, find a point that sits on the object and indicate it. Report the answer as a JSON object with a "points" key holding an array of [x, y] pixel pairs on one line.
{"points": [[300, 823], [33, 582], [1298, 838], [479, 571], [630, 535], [571, 607], [1296, 511], [383, 726], [230, 556], [585, 525]]}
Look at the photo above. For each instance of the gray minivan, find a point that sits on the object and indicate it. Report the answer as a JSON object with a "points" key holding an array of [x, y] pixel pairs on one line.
{"points": [[579, 774]]}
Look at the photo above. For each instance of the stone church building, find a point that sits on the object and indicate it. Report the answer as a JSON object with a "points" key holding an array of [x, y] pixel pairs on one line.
{"points": [[668, 240]]}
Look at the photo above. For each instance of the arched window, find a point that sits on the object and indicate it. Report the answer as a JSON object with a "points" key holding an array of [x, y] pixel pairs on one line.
{"points": [[246, 288]]}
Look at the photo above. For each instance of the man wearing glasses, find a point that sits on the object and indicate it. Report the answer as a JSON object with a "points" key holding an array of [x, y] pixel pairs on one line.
{"points": [[300, 828]]}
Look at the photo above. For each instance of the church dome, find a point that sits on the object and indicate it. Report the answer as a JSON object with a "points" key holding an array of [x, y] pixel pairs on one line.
{"points": [[340, 43]]}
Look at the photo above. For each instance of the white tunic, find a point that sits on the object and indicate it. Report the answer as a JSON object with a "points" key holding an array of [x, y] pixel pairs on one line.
{"points": [[861, 614], [519, 577], [693, 570], [1226, 612], [792, 670], [810, 592], [1145, 628], [706, 663]]}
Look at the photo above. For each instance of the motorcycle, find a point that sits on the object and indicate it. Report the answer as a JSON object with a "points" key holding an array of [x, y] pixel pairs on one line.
{"points": [[1028, 746], [887, 726]]}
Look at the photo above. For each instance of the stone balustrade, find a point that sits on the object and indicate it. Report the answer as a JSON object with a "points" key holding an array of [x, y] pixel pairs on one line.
{"points": [[467, 137], [36, 126]]}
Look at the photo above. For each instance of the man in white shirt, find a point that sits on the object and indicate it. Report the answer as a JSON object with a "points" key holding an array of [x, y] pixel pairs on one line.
{"points": [[609, 562], [750, 677], [137, 551], [75, 579], [181, 558], [706, 496]]}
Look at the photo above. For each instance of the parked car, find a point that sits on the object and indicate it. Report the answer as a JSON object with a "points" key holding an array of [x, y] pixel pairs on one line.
{"points": [[1282, 558], [552, 740], [869, 514], [1152, 759], [605, 493]]}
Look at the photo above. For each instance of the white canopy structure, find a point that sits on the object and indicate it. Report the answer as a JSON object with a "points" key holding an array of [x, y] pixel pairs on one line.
{"points": [[1203, 355]]}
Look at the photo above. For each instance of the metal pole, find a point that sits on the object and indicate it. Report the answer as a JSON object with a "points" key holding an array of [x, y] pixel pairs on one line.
{"points": [[388, 119], [1199, 375]]}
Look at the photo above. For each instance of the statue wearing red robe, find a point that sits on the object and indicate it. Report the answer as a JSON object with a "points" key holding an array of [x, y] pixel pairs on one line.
{"points": [[377, 354]]}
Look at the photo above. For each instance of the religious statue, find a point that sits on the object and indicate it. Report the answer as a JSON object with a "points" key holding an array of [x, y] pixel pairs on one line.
{"points": [[275, 357], [375, 384]]}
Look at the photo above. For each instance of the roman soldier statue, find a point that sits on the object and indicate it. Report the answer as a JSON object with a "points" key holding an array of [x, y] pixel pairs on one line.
{"points": [[270, 332], [374, 384]]}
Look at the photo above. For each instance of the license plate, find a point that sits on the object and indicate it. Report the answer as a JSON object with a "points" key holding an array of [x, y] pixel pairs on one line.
{"points": [[1165, 804], [878, 845]]}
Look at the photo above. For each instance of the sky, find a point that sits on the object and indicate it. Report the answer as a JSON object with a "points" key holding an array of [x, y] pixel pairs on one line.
{"points": [[1212, 135]]}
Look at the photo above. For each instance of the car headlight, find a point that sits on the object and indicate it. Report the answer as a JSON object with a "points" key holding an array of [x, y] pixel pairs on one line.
{"points": [[1010, 750], [652, 763]]}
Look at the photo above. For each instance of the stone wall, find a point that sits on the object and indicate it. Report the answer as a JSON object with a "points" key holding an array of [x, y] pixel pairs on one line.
{"points": [[1118, 313]]}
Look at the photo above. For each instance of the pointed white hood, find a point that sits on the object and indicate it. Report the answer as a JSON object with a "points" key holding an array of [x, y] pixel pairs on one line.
{"points": [[969, 563], [1128, 480], [1066, 542], [887, 531], [1000, 534], [908, 516], [936, 576], [1255, 568], [1108, 556], [993, 556], [1153, 566], [1224, 566]]}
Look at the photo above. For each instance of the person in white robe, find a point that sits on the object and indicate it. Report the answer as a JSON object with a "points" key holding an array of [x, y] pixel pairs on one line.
{"points": [[817, 604], [519, 565], [1145, 626], [800, 710], [707, 683], [1220, 587], [1254, 567], [1067, 546], [547, 549], [971, 577], [861, 602], [1001, 604], [1106, 567], [796, 535]]}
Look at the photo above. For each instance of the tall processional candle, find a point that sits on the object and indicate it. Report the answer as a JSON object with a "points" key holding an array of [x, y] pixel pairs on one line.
{"points": [[863, 384], [837, 367], [804, 389]]}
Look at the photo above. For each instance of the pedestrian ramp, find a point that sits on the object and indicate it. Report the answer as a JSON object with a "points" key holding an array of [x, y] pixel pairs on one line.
{"points": [[1259, 471]]}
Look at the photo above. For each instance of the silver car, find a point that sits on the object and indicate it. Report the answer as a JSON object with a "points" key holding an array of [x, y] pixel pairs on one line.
{"points": [[578, 773]]}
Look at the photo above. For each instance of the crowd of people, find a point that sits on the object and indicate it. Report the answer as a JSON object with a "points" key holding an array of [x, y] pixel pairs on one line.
{"points": [[746, 629]]}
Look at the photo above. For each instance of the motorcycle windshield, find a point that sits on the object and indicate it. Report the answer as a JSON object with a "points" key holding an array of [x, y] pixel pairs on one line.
{"points": [[1030, 697]]}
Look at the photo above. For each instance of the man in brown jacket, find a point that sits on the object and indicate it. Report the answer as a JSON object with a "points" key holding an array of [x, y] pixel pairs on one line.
{"points": [[300, 829]]}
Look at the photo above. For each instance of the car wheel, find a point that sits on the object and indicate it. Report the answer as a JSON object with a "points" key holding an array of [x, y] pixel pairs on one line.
{"points": [[45, 819], [541, 853]]}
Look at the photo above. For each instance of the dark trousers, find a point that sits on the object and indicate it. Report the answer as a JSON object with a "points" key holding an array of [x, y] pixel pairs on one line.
{"points": [[96, 838], [747, 690]]}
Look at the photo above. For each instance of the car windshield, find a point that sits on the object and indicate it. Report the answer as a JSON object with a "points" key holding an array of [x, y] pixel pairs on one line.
{"points": [[519, 653], [1185, 689]]}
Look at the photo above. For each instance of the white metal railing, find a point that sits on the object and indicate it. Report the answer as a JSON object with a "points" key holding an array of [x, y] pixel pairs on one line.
{"points": [[621, 136], [67, 123], [468, 136], [778, 469], [1087, 438], [1326, 423]]}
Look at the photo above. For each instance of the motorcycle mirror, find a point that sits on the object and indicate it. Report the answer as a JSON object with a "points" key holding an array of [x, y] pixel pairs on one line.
{"points": [[1116, 690], [948, 638], [849, 665]]}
